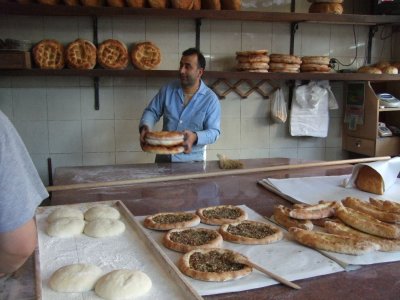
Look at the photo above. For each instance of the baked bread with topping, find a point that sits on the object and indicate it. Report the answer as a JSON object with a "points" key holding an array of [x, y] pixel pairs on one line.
{"points": [[171, 220], [221, 214], [112, 54], [81, 54], [188, 239], [146, 56], [48, 54]]}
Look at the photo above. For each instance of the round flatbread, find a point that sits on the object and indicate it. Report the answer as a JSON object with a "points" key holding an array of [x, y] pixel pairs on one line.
{"points": [[163, 149], [284, 66], [164, 138], [369, 70], [48, 54], [318, 60], [250, 232], [112, 54], [252, 52], [285, 58], [213, 265], [146, 56], [252, 58], [314, 68], [187, 239], [81, 55], [252, 66], [171, 220], [221, 214]]}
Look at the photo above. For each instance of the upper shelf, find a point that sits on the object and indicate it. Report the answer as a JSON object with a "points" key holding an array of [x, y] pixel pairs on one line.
{"points": [[207, 74], [8, 8]]}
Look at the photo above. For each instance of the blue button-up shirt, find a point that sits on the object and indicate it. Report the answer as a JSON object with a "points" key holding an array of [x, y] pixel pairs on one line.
{"points": [[201, 115]]}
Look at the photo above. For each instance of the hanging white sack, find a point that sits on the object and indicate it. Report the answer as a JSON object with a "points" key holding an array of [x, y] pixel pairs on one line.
{"points": [[310, 114]]}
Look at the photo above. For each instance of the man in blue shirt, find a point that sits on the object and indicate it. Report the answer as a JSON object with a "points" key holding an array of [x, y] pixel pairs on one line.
{"points": [[186, 105]]}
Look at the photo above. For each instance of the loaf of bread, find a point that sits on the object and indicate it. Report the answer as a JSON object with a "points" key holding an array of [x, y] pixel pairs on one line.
{"points": [[158, 3], [211, 4], [231, 4], [369, 70], [182, 4], [326, 8], [369, 180], [135, 3]]}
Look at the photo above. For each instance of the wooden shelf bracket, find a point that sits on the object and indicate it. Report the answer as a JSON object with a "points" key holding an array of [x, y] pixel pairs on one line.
{"points": [[243, 87]]}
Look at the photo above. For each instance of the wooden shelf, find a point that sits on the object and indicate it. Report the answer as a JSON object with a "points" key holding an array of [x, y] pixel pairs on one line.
{"points": [[10, 8], [207, 74], [389, 109]]}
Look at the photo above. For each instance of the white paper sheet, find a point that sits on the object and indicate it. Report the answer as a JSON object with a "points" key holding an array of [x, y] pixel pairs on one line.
{"points": [[310, 190], [125, 251], [286, 258]]}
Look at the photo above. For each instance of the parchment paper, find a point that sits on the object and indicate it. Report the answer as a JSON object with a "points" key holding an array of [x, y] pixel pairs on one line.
{"points": [[286, 258], [126, 251]]}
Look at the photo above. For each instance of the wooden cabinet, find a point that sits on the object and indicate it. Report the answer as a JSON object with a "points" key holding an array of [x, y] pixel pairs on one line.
{"points": [[364, 138]]}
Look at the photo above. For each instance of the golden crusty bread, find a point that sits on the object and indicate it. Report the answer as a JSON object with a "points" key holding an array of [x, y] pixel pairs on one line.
{"points": [[164, 138], [182, 4], [317, 211], [163, 149], [135, 3], [112, 54], [390, 70], [369, 180], [145, 56], [158, 3], [281, 216], [326, 8], [369, 70], [371, 210], [48, 54], [385, 205], [81, 55], [332, 242], [116, 3], [386, 245]]}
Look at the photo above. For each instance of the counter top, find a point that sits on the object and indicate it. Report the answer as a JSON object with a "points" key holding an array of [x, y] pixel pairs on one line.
{"points": [[379, 281]]}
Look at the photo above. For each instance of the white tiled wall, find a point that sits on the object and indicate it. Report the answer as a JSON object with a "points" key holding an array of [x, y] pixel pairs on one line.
{"points": [[56, 118]]}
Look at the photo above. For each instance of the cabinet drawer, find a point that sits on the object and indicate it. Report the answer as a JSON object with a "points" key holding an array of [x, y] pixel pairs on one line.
{"points": [[359, 145], [388, 146]]}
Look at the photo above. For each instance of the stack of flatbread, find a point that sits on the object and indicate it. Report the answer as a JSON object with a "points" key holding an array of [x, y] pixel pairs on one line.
{"points": [[284, 63], [326, 6], [315, 64], [252, 61]]}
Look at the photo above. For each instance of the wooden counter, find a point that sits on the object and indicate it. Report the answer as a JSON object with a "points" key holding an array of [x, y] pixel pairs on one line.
{"points": [[380, 281]]}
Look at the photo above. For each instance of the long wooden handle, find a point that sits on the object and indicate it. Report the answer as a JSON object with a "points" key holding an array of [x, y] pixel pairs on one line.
{"points": [[270, 274], [212, 174]]}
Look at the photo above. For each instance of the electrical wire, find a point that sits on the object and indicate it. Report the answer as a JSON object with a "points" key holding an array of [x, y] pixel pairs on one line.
{"points": [[335, 61]]}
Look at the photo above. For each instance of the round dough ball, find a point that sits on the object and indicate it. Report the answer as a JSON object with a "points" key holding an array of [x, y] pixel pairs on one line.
{"points": [[65, 227], [123, 284], [75, 278], [65, 212], [101, 212], [104, 228]]}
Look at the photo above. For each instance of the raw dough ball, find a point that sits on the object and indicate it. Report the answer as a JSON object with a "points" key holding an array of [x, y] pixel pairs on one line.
{"points": [[123, 284], [104, 228], [65, 227], [75, 278], [65, 212], [101, 212]]}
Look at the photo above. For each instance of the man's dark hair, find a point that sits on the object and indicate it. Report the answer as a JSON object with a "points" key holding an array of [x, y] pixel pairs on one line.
{"points": [[200, 57]]}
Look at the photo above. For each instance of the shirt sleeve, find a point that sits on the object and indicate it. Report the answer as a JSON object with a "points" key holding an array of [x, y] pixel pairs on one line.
{"points": [[21, 189], [212, 123], [153, 112]]}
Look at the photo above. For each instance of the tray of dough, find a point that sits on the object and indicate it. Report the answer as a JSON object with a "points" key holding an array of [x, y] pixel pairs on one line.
{"points": [[132, 249]]}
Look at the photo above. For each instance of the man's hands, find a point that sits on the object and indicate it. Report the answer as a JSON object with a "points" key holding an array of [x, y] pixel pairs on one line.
{"points": [[189, 140], [143, 130]]}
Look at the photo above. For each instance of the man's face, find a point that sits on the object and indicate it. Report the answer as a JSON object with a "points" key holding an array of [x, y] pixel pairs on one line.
{"points": [[189, 70]]}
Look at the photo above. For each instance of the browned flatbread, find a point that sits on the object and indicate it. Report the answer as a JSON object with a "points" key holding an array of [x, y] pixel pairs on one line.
{"points": [[281, 216], [326, 8], [314, 68], [48, 54], [366, 223], [386, 245], [250, 232], [369, 70], [318, 60], [188, 239], [251, 52], [221, 214], [182, 4], [171, 220], [163, 149], [317, 211], [253, 58], [332, 242], [81, 55], [385, 205], [158, 3], [213, 265], [371, 210], [164, 138], [252, 66], [285, 58], [112, 54], [146, 56], [369, 180]]}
